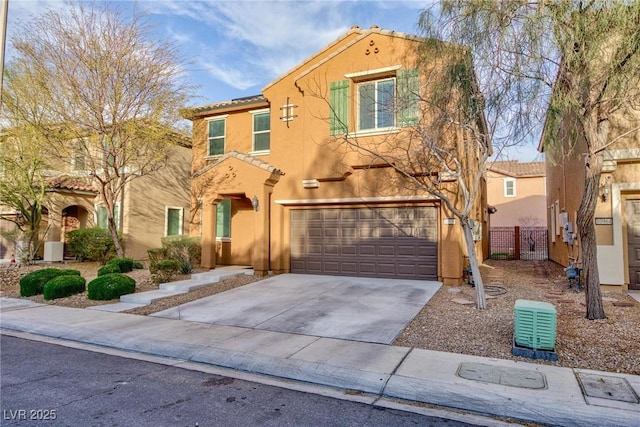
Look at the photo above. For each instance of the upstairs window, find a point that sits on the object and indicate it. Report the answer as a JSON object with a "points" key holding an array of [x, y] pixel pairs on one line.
{"points": [[216, 137], [509, 187], [261, 131], [78, 157], [385, 99], [376, 104]]}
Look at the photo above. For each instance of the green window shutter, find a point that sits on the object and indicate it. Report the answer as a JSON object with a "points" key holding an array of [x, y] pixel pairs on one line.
{"points": [[223, 218], [408, 97], [173, 222], [339, 107]]}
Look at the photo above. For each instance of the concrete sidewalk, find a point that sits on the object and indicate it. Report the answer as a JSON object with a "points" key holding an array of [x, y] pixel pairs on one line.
{"points": [[523, 391]]}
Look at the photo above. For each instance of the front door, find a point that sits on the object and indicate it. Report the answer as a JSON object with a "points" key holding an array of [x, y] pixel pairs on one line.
{"points": [[633, 242]]}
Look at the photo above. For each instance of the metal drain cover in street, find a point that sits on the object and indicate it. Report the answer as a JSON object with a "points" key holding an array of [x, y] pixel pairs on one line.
{"points": [[607, 387], [511, 377]]}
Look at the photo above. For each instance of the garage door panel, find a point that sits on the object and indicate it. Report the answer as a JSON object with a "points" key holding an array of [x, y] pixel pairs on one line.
{"points": [[349, 250], [375, 242]]}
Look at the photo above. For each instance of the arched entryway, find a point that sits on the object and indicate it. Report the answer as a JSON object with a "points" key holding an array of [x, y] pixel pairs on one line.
{"points": [[74, 217]]}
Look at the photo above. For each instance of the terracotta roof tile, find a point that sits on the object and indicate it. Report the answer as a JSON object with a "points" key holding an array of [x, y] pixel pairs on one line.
{"points": [[516, 168], [242, 157], [65, 182]]}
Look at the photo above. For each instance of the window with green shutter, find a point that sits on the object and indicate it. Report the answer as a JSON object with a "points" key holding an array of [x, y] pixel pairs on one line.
{"points": [[408, 97], [174, 222], [216, 136], [223, 218], [339, 107]]}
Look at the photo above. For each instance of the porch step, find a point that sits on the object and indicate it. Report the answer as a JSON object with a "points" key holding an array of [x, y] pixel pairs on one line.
{"points": [[165, 290], [146, 298], [116, 308]]}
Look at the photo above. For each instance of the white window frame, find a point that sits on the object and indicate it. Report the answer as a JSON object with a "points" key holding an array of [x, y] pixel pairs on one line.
{"points": [[180, 219], [254, 132], [375, 128], [506, 187], [223, 137]]}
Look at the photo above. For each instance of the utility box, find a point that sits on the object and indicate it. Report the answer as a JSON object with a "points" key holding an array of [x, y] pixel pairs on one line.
{"points": [[535, 325], [53, 251]]}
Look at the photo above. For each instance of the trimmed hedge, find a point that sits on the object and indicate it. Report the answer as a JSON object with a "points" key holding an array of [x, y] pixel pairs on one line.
{"points": [[108, 269], [64, 286], [110, 286], [33, 283], [92, 244], [125, 264]]}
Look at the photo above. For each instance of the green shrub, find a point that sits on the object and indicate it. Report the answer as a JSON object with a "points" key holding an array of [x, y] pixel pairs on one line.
{"points": [[155, 255], [185, 249], [33, 283], [64, 286], [108, 269], [93, 244], [110, 286], [125, 264], [165, 270], [138, 265]]}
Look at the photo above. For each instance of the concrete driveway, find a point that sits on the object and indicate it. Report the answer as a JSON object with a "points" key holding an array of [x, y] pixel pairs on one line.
{"points": [[350, 308]]}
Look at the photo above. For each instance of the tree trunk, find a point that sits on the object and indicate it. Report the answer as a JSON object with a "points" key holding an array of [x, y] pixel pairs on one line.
{"points": [[113, 230], [587, 232], [481, 301]]}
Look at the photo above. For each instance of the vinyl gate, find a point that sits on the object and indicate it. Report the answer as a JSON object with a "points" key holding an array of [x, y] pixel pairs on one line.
{"points": [[525, 243]]}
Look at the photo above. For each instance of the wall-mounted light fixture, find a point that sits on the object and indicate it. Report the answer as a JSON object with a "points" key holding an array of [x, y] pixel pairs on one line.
{"points": [[255, 203]]}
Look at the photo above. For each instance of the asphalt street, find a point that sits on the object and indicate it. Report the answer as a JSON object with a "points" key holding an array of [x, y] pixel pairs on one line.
{"points": [[43, 384]]}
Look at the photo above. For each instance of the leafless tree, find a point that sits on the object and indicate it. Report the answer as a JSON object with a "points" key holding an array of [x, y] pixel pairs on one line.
{"points": [[97, 86]]}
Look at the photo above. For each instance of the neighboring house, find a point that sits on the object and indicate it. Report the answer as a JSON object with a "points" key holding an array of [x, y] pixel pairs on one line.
{"points": [[617, 215], [273, 188], [517, 190], [151, 206]]}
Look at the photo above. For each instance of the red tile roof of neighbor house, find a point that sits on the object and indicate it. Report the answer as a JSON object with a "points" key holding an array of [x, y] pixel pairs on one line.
{"points": [[516, 168], [65, 182]]}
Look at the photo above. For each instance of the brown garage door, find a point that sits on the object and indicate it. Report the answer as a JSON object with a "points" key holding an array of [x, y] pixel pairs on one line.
{"points": [[372, 242]]}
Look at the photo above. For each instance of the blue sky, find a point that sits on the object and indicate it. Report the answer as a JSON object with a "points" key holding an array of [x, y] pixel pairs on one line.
{"points": [[234, 48]]}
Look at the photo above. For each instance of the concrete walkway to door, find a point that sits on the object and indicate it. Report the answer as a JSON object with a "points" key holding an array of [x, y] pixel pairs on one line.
{"points": [[351, 308]]}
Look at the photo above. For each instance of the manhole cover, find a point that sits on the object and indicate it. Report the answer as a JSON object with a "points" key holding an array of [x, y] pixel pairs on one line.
{"points": [[607, 387], [511, 377]]}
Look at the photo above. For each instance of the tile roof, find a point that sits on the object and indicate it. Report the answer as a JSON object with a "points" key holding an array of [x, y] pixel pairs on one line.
{"points": [[66, 182], [242, 157], [237, 102], [516, 168]]}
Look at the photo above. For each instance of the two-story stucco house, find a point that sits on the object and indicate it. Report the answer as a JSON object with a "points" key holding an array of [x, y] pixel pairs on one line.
{"points": [[150, 207], [275, 187], [517, 191], [617, 215]]}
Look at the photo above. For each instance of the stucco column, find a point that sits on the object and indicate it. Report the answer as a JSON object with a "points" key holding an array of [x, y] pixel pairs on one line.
{"points": [[260, 255], [208, 242]]}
